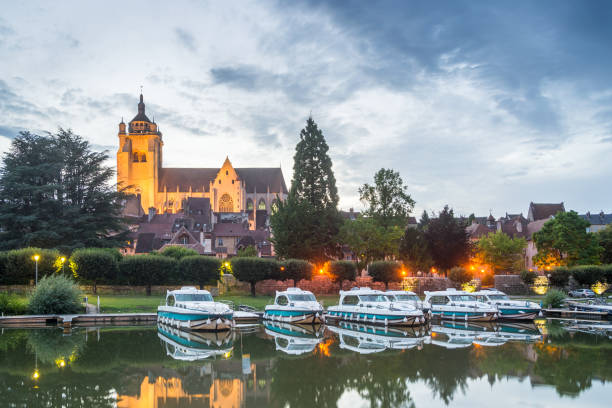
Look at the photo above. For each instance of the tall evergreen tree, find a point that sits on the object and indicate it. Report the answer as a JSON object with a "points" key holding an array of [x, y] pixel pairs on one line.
{"points": [[447, 240], [307, 224], [388, 201], [55, 192]]}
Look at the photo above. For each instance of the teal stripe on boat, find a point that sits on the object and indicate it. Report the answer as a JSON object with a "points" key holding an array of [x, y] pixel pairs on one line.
{"points": [[193, 344], [290, 312], [193, 316]]}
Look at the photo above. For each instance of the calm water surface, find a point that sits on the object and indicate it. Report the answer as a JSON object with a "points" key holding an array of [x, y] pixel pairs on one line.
{"points": [[547, 364]]}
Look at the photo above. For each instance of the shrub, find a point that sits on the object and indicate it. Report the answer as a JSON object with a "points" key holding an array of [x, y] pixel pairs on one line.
{"points": [[94, 265], [528, 277], [607, 273], [296, 269], [11, 304], [559, 277], [147, 270], [55, 294], [587, 275], [177, 252], [248, 251], [343, 270], [460, 275], [254, 270], [385, 271], [201, 270], [20, 265], [554, 298]]}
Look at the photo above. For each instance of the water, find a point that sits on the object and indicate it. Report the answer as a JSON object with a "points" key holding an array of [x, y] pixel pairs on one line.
{"points": [[549, 364]]}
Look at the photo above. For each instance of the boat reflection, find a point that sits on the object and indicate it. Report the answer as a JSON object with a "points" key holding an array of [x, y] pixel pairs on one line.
{"points": [[192, 346], [453, 335], [293, 339], [367, 339]]}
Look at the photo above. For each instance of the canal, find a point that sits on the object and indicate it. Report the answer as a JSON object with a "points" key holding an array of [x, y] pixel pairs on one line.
{"points": [[546, 364]]}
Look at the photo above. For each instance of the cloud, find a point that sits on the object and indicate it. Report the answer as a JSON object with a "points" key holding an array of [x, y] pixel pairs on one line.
{"points": [[186, 39]]}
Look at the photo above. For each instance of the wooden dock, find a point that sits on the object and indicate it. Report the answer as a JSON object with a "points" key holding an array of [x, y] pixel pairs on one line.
{"points": [[575, 314]]}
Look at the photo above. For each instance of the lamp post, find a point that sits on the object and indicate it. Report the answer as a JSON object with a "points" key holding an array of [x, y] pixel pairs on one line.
{"points": [[63, 261], [36, 258]]}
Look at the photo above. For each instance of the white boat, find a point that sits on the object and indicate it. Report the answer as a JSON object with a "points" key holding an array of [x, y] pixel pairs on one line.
{"points": [[459, 305], [404, 297], [598, 305], [509, 309], [454, 335], [296, 306], [367, 306], [192, 346], [191, 309], [367, 339], [292, 339]]}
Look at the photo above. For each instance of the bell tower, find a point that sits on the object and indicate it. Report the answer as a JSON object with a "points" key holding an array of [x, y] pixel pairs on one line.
{"points": [[139, 157]]}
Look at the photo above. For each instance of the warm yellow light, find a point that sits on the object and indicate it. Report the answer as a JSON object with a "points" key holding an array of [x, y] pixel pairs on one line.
{"points": [[470, 286], [472, 267], [36, 375], [227, 355], [599, 287], [530, 269], [60, 362], [226, 264], [403, 272], [282, 268], [63, 259], [482, 270], [540, 285], [36, 257], [321, 271]]}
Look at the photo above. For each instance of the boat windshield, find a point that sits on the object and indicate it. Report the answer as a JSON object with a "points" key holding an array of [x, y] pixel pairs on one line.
{"points": [[499, 297], [373, 298], [302, 298], [462, 298], [193, 297], [404, 298]]}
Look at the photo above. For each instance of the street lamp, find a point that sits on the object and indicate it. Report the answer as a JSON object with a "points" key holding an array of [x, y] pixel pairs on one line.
{"points": [[63, 261], [36, 257]]}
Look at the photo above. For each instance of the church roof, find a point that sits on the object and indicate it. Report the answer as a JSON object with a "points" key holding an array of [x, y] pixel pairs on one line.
{"points": [[141, 116], [260, 179]]}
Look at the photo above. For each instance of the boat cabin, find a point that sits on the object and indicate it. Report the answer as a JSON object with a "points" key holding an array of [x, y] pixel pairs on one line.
{"points": [[449, 296], [363, 297], [187, 294], [293, 296]]}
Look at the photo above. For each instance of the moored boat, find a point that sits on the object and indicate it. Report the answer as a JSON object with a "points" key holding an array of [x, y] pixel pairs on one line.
{"points": [[295, 306], [404, 297], [367, 339], [459, 305], [509, 309], [192, 346], [191, 309], [598, 305], [292, 339], [368, 306]]}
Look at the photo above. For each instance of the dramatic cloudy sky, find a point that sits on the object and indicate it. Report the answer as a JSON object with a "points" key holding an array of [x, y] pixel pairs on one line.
{"points": [[479, 104]]}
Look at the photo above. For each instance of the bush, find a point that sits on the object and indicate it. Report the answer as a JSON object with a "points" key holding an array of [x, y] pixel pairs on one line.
{"points": [[56, 294], [296, 269], [559, 277], [3, 274], [201, 270], [385, 271], [177, 252], [343, 270], [11, 304], [460, 275], [554, 298], [254, 270], [20, 266], [147, 270], [94, 265], [587, 275], [528, 277]]}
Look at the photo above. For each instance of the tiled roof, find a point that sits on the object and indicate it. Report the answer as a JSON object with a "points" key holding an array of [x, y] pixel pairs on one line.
{"points": [[541, 211], [534, 227], [478, 230], [598, 219], [146, 243], [229, 230]]}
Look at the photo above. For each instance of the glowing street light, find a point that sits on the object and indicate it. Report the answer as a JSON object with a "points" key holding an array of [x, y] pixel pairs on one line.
{"points": [[63, 261], [36, 375], [36, 257], [321, 271]]}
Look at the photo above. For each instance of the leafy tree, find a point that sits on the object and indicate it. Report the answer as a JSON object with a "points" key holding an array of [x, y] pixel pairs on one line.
{"points": [[388, 202], [369, 240], [55, 192], [202, 270], [564, 238], [307, 224], [605, 241], [94, 265], [296, 269], [253, 270], [447, 240], [414, 250], [460, 275], [342, 270], [247, 251], [385, 271], [502, 252], [147, 270], [177, 252]]}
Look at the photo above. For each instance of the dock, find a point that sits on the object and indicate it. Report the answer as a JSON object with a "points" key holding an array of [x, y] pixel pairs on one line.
{"points": [[575, 314]]}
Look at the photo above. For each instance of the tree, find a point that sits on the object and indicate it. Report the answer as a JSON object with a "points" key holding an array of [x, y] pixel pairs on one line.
{"points": [[388, 202], [306, 225], [460, 275], [177, 252], [424, 221], [414, 250], [605, 241], [501, 252], [565, 239], [296, 269], [94, 265], [247, 251], [253, 270], [147, 270], [370, 241], [342, 270], [447, 240], [201, 270], [55, 192], [385, 271]]}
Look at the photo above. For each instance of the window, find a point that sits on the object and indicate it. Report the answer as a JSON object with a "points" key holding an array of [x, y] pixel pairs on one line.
{"points": [[462, 298], [170, 300], [373, 298], [232, 181], [184, 240], [274, 206], [194, 297], [261, 205], [226, 204], [350, 300], [135, 158], [250, 204], [438, 300], [220, 242], [143, 157], [302, 298], [219, 181], [226, 172], [282, 300]]}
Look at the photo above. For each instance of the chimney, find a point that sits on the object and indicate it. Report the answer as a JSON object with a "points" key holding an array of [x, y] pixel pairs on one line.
{"points": [[152, 212]]}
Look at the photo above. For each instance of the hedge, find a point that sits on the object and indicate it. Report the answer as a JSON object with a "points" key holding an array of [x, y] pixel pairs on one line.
{"points": [[253, 270], [559, 277], [528, 277], [460, 275], [177, 252], [201, 270], [342, 270], [148, 270], [19, 266], [584, 275], [296, 269], [385, 271], [94, 265]]}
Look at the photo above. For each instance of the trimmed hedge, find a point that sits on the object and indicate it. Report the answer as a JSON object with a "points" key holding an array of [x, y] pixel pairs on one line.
{"points": [[342, 270], [253, 270], [177, 252], [559, 277], [528, 277], [94, 265], [19, 267], [148, 270], [296, 269], [385, 271], [201, 270], [460, 275], [584, 275]]}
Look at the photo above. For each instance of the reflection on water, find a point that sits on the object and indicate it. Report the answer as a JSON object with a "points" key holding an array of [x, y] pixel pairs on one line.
{"points": [[279, 365]]}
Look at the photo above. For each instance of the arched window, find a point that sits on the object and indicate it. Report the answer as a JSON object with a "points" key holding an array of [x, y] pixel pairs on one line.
{"points": [[226, 203], [261, 205], [274, 206], [249, 205], [135, 158], [143, 157]]}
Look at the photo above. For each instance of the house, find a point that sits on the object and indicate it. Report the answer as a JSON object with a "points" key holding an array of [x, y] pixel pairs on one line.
{"points": [[598, 221]]}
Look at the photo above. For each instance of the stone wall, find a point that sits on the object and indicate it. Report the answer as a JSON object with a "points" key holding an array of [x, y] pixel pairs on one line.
{"points": [[111, 289], [511, 285]]}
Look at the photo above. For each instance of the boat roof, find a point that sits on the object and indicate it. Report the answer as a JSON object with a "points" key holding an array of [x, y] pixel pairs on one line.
{"points": [[188, 289], [400, 292], [293, 291], [488, 292], [361, 291], [449, 291]]}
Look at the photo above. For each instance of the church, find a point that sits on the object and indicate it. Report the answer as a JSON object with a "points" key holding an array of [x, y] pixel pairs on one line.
{"points": [[208, 206]]}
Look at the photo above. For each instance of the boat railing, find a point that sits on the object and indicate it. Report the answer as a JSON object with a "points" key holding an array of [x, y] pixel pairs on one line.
{"points": [[229, 303]]}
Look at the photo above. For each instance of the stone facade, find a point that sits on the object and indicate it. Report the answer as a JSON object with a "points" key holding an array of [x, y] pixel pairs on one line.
{"points": [[511, 285]]}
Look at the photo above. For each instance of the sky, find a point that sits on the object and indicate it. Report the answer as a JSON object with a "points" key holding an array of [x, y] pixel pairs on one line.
{"points": [[481, 105]]}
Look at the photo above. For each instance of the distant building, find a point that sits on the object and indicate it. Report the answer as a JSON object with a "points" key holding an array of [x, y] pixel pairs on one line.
{"points": [[598, 221]]}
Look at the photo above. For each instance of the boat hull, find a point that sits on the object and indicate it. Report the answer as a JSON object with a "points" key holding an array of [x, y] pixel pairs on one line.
{"points": [[376, 318], [195, 320], [294, 316], [466, 316], [518, 313]]}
